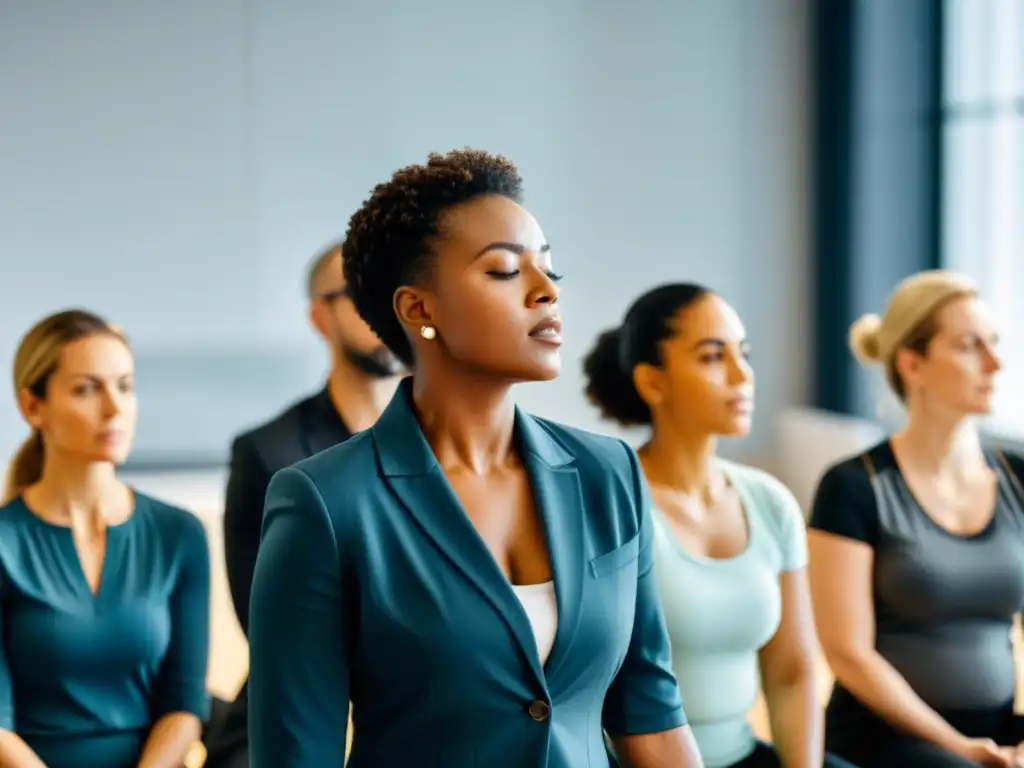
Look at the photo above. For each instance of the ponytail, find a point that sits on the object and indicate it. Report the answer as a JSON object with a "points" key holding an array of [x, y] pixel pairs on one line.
{"points": [[609, 366], [25, 469], [35, 360], [610, 387]]}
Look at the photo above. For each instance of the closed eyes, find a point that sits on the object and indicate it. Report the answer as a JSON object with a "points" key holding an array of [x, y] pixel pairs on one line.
{"points": [[497, 275]]}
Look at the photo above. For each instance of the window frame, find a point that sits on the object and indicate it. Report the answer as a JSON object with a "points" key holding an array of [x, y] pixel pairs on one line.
{"points": [[982, 193]]}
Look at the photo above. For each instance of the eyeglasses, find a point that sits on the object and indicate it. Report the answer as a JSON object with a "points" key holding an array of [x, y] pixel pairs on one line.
{"points": [[329, 296]]}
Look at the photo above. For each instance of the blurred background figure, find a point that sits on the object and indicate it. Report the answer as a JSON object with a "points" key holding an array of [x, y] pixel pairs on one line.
{"points": [[730, 548], [104, 591], [918, 548], [362, 379]]}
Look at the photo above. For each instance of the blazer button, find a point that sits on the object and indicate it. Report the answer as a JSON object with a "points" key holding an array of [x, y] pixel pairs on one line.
{"points": [[539, 710]]}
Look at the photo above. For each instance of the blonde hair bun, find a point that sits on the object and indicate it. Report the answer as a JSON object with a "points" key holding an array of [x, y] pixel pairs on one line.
{"points": [[864, 338]]}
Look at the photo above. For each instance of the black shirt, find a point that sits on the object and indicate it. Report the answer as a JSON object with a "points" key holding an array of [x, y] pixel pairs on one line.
{"points": [[944, 603], [305, 428]]}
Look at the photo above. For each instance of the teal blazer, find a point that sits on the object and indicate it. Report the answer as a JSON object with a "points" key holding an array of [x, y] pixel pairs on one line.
{"points": [[373, 586]]}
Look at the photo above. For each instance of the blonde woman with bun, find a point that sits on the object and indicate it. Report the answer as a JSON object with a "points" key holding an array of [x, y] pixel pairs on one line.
{"points": [[917, 549], [104, 592]]}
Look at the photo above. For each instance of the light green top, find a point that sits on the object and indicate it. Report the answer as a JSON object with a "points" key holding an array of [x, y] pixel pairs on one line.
{"points": [[720, 613]]}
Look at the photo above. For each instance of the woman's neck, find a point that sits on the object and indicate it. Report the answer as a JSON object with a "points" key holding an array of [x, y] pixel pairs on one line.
{"points": [[682, 462], [940, 443], [80, 493], [468, 423]]}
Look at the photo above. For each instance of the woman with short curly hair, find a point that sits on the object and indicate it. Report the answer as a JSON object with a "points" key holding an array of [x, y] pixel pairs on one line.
{"points": [[475, 580]]}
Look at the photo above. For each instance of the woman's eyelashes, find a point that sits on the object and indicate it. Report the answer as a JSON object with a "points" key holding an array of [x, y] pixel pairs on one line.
{"points": [[718, 357], [499, 275]]}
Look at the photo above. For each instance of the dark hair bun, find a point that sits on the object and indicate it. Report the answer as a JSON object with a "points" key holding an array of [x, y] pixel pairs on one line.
{"points": [[609, 387]]}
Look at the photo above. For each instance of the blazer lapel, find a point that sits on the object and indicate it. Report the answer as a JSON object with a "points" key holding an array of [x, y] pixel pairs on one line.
{"points": [[556, 489], [413, 474]]}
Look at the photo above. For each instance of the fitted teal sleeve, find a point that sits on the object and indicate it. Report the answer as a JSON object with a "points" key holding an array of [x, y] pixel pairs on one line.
{"points": [[181, 683], [644, 697], [6, 692], [298, 633]]}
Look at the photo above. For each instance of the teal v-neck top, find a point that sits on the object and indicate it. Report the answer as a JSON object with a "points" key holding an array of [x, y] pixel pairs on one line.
{"points": [[84, 677]]}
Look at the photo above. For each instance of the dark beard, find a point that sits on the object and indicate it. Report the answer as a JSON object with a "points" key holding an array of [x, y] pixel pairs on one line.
{"points": [[379, 364]]}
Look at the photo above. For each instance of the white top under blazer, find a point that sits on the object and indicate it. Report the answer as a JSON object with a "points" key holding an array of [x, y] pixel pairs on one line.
{"points": [[542, 610]]}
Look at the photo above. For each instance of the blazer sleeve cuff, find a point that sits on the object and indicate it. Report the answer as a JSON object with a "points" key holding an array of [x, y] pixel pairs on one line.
{"points": [[651, 722], [193, 700]]}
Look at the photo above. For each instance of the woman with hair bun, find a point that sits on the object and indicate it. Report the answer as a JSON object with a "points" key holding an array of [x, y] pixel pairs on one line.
{"points": [[104, 592], [729, 540], [917, 549]]}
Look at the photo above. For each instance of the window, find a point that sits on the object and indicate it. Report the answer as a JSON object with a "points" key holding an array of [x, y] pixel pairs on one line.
{"points": [[983, 172]]}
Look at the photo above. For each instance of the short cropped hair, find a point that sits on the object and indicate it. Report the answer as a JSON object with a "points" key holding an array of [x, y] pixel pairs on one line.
{"points": [[388, 243]]}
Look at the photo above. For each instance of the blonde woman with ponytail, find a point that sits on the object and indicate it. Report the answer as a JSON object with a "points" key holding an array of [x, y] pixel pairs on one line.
{"points": [[26, 467], [104, 592], [917, 549]]}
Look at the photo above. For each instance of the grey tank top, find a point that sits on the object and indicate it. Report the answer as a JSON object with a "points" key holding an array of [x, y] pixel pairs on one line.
{"points": [[944, 603]]}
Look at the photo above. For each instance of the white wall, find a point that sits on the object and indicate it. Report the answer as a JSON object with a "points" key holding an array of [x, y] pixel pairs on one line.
{"points": [[173, 165]]}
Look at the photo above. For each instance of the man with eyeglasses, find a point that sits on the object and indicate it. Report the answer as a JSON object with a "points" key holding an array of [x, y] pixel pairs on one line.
{"points": [[362, 380]]}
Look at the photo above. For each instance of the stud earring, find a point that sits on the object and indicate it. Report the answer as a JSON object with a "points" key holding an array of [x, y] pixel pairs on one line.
{"points": [[428, 331]]}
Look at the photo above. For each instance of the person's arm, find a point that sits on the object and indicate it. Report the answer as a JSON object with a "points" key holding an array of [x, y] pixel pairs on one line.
{"points": [[14, 752], [788, 680], [180, 701], [788, 660], [298, 633], [248, 478], [643, 710], [842, 537]]}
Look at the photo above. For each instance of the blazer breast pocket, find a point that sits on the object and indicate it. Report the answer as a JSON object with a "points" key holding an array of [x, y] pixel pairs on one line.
{"points": [[618, 558]]}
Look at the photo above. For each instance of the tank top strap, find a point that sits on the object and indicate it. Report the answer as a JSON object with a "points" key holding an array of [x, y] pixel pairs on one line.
{"points": [[1008, 476]]}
